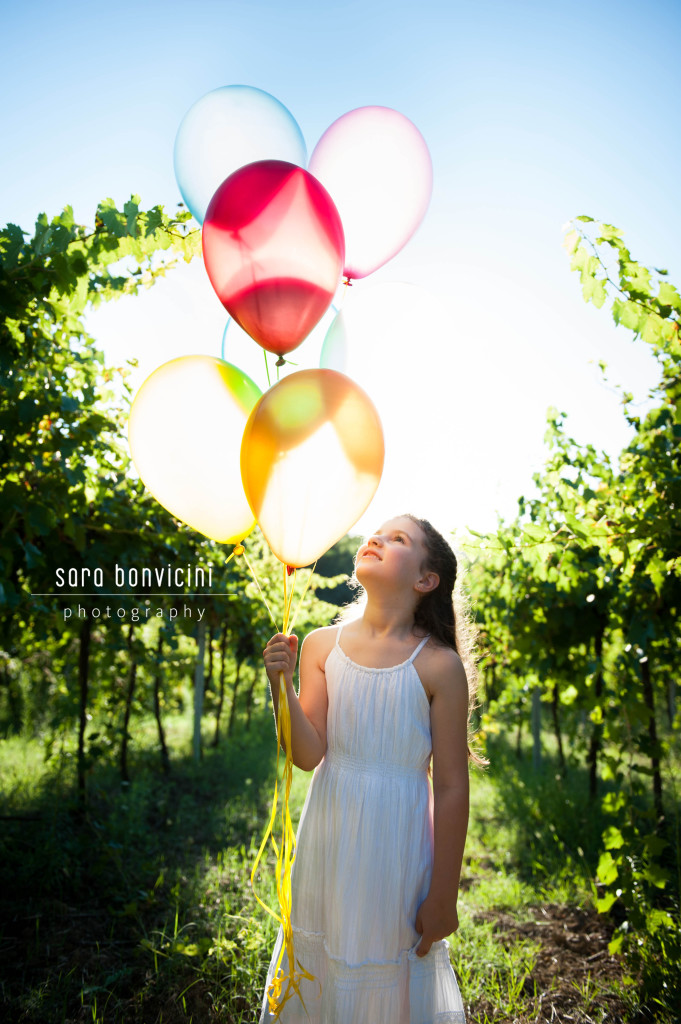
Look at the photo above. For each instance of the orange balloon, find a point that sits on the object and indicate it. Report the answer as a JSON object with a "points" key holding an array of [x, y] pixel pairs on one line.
{"points": [[311, 460]]}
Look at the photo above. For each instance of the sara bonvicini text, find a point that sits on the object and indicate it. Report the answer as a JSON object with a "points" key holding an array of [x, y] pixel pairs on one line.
{"points": [[168, 575]]}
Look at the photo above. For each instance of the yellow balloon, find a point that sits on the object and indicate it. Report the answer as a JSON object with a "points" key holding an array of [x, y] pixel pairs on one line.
{"points": [[185, 430], [311, 460]]}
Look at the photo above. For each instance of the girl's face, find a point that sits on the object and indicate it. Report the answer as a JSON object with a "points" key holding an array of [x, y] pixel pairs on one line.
{"points": [[396, 553]]}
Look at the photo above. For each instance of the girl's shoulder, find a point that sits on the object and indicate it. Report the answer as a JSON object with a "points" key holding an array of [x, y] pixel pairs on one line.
{"points": [[440, 668], [319, 643]]}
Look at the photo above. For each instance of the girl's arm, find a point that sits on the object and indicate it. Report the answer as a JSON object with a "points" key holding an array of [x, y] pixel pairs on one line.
{"points": [[308, 709], [446, 680]]}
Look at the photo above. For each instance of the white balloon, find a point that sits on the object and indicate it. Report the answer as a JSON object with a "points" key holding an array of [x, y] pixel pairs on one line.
{"points": [[397, 341], [184, 430], [375, 164]]}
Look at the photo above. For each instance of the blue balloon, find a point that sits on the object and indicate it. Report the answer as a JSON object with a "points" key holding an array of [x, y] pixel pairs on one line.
{"points": [[225, 129], [335, 349], [224, 337], [239, 349]]}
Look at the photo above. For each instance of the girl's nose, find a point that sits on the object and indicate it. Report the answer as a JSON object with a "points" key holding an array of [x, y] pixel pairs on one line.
{"points": [[375, 539]]}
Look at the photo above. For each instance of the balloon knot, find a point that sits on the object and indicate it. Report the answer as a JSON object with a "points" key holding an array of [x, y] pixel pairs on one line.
{"points": [[280, 361], [238, 550], [347, 282], [290, 570]]}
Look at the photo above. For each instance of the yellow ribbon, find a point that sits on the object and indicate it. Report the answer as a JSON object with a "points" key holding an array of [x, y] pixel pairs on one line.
{"points": [[283, 986]]}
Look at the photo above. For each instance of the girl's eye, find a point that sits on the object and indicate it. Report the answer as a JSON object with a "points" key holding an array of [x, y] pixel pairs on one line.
{"points": [[399, 537]]}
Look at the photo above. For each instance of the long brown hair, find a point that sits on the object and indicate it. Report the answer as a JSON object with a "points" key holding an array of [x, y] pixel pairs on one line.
{"points": [[444, 614]]}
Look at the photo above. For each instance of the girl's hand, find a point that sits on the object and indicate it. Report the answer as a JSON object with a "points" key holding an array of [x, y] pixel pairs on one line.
{"points": [[281, 655], [436, 919]]}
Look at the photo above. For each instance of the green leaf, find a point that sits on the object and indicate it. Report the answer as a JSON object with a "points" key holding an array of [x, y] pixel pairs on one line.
{"points": [[629, 314], [613, 802], [613, 838], [11, 244], [635, 277], [69, 404], [656, 919], [656, 875], [658, 417], [607, 868], [596, 715], [593, 288], [576, 526], [41, 519], [34, 556], [571, 241], [589, 268], [668, 296], [657, 571], [654, 845], [604, 903], [599, 293], [187, 948], [652, 330], [111, 218], [155, 220], [131, 210], [609, 233], [535, 532], [580, 258]]}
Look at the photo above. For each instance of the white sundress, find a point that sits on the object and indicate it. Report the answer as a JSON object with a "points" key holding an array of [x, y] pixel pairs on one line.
{"points": [[364, 860]]}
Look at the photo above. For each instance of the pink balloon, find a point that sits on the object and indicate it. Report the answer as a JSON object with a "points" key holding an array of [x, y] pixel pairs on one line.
{"points": [[377, 169], [273, 249]]}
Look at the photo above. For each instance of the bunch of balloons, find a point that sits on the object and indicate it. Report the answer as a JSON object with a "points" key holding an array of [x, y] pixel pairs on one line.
{"points": [[304, 459]]}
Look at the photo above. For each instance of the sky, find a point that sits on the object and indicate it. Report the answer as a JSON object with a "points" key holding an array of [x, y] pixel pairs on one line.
{"points": [[533, 114]]}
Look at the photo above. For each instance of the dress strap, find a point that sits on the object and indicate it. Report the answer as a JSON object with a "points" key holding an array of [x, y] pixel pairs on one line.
{"points": [[420, 647], [340, 630]]}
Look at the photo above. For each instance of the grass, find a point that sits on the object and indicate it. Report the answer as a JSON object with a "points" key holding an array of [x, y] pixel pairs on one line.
{"points": [[520, 860], [140, 910]]}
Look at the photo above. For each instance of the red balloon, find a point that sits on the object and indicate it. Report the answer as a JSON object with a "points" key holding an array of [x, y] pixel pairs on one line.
{"points": [[273, 248]]}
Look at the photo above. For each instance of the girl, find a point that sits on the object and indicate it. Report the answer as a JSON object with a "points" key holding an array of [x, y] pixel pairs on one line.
{"points": [[378, 857]]}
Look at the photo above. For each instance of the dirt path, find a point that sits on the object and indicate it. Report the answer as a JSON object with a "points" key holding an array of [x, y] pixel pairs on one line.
{"points": [[574, 976]]}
